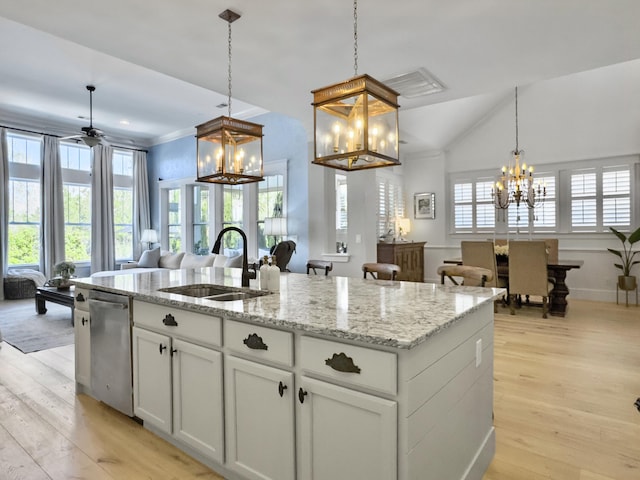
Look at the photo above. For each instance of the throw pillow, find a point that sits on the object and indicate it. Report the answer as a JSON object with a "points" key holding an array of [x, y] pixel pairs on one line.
{"points": [[149, 258], [171, 260], [234, 262], [191, 260], [220, 260]]}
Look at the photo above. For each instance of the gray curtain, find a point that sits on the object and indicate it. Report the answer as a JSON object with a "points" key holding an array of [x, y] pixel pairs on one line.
{"points": [[141, 211], [103, 256], [52, 207], [4, 209]]}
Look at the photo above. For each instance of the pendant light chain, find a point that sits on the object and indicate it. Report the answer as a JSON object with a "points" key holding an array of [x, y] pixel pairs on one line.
{"points": [[229, 72], [517, 149], [355, 37]]}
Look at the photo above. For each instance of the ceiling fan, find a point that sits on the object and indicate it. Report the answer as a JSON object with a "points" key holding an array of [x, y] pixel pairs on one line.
{"points": [[91, 136]]}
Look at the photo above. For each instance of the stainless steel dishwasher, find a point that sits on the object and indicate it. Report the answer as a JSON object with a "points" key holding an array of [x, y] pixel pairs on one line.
{"points": [[111, 380]]}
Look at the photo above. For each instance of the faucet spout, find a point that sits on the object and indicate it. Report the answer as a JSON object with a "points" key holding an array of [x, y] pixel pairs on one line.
{"points": [[246, 273]]}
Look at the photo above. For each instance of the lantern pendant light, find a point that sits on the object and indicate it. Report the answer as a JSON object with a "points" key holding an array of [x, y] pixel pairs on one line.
{"points": [[229, 150], [356, 121]]}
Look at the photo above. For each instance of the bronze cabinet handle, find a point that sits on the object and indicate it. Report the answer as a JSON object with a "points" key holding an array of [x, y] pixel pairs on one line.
{"points": [[169, 320], [342, 363], [301, 395], [161, 347], [84, 320], [254, 341], [281, 388], [80, 297]]}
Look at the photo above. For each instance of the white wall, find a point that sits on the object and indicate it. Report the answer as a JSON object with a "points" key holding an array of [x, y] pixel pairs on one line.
{"points": [[588, 115]]}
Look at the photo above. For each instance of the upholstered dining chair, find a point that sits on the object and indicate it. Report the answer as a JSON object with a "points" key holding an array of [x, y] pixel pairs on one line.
{"points": [[552, 249], [471, 275], [320, 265], [375, 269], [528, 272], [481, 254]]}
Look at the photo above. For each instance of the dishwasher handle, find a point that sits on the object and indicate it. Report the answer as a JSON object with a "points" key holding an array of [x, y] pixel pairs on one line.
{"points": [[103, 304]]}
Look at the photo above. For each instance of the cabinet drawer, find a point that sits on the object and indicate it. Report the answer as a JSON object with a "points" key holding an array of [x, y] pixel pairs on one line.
{"points": [[81, 296], [193, 326], [259, 342], [349, 363]]}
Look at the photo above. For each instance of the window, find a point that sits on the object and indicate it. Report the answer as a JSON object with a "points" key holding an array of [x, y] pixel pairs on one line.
{"points": [[24, 199], [270, 204], [232, 204], [584, 196], [174, 219], [600, 198], [342, 212], [75, 160], [473, 207], [391, 205], [123, 203], [201, 231]]}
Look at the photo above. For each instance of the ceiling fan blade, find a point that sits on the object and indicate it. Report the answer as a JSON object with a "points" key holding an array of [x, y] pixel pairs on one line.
{"points": [[71, 137]]}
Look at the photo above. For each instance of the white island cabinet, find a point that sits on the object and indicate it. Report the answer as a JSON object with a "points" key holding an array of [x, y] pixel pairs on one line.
{"points": [[82, 339], [331, 378], [177, 385]]}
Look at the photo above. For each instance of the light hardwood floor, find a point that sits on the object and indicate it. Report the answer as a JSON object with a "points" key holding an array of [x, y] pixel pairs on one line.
{"points": [[564, 394]]}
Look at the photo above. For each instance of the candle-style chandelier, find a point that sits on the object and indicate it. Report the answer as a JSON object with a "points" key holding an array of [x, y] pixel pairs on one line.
{"points": [[356, 121], [516, 183], [229, 150]]}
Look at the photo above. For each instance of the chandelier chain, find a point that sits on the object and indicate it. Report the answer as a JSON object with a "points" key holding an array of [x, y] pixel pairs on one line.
{"points": [[355, 37], [229, 73], [517, 149]]}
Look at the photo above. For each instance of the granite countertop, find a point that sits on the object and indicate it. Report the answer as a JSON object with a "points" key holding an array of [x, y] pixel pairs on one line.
{"points": [[390, 313]]}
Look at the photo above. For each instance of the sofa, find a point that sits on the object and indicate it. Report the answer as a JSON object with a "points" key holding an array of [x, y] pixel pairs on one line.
{"points": [[158, 260]]}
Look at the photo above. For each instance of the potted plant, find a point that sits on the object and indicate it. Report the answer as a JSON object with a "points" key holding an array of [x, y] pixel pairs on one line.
{"points": [[626, 281], [63, 272]]}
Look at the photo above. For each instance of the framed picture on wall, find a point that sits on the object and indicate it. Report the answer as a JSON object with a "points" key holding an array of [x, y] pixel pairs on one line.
{"points": [[424, 205]]}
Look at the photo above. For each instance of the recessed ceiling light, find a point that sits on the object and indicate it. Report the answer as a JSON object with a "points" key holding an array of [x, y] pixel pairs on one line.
{"points": [[124, 121]]}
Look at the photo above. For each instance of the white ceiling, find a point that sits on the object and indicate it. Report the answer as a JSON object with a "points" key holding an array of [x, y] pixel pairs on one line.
{"points": [[158, 64]]}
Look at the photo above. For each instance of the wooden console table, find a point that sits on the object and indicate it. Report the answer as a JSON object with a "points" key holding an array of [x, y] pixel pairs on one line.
{"points": [[409, 256]]}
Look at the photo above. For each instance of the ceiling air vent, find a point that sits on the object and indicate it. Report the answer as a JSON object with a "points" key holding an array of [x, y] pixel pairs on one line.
{"points": [[415, 84]]}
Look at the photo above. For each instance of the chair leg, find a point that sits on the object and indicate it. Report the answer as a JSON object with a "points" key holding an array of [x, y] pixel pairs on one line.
{"points": [[545, 308], [512, 304]]}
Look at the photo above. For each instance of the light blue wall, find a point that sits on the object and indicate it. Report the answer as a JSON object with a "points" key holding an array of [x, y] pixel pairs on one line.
{"points": [[284, 138]]}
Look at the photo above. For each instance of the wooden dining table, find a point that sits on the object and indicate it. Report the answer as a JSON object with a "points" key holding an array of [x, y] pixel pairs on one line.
{"points": [[556, 271]]}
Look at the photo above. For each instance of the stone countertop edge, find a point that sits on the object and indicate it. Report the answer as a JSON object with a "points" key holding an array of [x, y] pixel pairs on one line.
{"points": [[360, 315]]}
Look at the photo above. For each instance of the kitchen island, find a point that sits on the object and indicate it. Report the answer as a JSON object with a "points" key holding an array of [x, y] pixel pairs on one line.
{"points": [[328, 378]]}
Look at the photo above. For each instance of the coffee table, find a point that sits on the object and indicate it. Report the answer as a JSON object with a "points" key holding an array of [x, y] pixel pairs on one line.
{"points": [[52, 294]]}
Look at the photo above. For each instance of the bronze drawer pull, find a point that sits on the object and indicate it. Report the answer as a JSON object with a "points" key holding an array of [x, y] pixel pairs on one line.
{"points": [[255, 342], [342, 363], [169, 320], [281, 388], [80, 297]]}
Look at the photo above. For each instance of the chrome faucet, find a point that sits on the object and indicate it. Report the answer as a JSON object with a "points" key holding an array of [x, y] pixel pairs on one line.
{"points": [[246, 273]]}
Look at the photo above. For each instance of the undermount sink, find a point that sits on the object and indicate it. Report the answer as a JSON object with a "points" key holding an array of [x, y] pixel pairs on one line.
{"points": [[213, 292]]}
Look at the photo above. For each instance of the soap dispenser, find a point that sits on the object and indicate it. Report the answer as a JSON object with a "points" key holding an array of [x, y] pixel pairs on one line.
{"points": [[273, 283], [264, 274]]}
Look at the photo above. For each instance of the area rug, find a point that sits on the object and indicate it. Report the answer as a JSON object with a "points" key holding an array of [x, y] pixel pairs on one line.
{"points": [[29, 332]]}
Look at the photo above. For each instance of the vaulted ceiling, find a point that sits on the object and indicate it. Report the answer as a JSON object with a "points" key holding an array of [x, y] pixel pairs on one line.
{"points": [[161, 65]]}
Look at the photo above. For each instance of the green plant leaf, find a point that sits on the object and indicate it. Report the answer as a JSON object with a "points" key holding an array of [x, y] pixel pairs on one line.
{"points": [[615, 252], [620, 235], [619, 266], [635, 236]]}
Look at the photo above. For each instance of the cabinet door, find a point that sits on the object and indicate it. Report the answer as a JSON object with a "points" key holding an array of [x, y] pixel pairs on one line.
{"points": [[152, 378], [345, 434], [197, 398], [259, 420], [82, 338]]}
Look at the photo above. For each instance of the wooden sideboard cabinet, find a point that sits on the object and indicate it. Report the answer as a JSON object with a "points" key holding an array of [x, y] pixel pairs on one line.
{"points": [[408, 255]]}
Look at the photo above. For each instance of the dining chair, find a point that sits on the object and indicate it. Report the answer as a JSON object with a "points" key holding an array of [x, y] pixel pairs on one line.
{"points": [[482, 254], [471, 275], [528, 273], [319, 264], [375, 269], [552, 249]]}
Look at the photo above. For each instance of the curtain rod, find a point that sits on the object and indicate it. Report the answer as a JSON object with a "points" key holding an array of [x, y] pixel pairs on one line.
{"points": [[58, 136]]}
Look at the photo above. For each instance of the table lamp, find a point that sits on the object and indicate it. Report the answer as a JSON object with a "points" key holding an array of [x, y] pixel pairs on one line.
{"points": [[149, 237]]}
